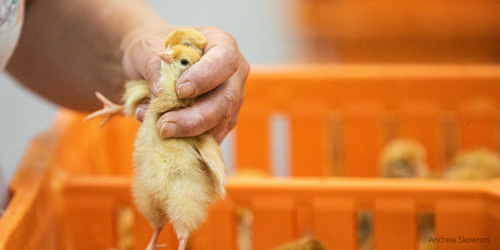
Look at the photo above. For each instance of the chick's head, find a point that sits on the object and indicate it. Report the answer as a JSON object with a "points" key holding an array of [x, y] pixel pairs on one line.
{"points": [[404, 159], [187, 37], [178, 58]]}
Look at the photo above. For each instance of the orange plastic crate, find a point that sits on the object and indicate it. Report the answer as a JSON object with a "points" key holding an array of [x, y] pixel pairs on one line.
{"points": [[75, 180], [397, 31]]}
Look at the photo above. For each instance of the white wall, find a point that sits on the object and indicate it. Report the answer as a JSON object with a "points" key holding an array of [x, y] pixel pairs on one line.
{"points": [[22, 115], [261, 27]]}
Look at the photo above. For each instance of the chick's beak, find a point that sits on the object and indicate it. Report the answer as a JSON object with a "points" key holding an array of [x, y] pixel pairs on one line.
{"points": [[166, 56]]}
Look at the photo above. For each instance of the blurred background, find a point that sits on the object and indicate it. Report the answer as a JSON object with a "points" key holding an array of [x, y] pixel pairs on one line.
{"points": [[300, 31]]}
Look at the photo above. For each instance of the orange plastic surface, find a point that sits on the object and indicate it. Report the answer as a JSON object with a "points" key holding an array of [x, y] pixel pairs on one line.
{"points": [[75, 179], [397, 31]]}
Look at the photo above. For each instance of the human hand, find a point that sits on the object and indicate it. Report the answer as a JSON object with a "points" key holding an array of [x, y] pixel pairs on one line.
{"points": [[217, 80]]}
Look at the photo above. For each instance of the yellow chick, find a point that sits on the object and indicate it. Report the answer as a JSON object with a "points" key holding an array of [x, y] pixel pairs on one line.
{"points": [[481, 164], [403, 159], [187, 37], [176, 178], [407, 159]]}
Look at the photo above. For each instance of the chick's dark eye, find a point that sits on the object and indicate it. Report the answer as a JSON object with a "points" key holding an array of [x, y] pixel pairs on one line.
{"points": [[184, 62]]}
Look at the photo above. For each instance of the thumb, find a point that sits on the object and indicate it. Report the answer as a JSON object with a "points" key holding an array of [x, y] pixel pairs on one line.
{"points": [[152, 74], [141, 61]]}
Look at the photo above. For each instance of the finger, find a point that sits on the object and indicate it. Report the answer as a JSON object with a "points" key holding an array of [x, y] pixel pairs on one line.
{"points": [[146, 63], [140, 112], [153, 75], [220, 131], [221, 60], [208, 111]]}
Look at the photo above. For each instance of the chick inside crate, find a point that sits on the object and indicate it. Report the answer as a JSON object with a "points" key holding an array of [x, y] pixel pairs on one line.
{"points": [[72, 189]]}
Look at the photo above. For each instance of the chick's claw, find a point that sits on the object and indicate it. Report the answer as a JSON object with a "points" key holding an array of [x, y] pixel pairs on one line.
{"points": [[109, 110], [154, 241]]}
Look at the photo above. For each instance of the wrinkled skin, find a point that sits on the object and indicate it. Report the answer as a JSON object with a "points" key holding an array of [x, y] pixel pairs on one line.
{"points": [[217, 80]]}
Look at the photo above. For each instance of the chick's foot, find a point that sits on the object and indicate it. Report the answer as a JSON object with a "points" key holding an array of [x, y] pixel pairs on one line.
{"points": [[109, 110]]}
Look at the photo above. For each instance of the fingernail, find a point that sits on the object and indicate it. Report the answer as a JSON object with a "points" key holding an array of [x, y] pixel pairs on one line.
{"points": [[139, 113], [168, 129], [158, 86], [185, 90]]}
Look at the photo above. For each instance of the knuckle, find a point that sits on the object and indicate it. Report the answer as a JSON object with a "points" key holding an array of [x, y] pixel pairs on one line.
{"points": [[194, 124], [152, 65], [233, 58], [146, 42], [228, 35], [231, 102], [151, 74], [245, 68], [220, 131], [224, 35], [217, 130], [230, 51], [232, 124]]}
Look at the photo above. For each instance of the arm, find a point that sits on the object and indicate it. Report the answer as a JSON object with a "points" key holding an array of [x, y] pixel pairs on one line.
{"points": [[70, 49]]}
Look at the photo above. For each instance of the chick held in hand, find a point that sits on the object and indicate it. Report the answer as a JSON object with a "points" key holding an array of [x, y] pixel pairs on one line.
{"points": [[176, 178]]}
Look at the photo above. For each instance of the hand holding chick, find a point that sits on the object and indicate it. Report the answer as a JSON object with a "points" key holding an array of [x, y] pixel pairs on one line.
{"points": [[217, 79]]}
